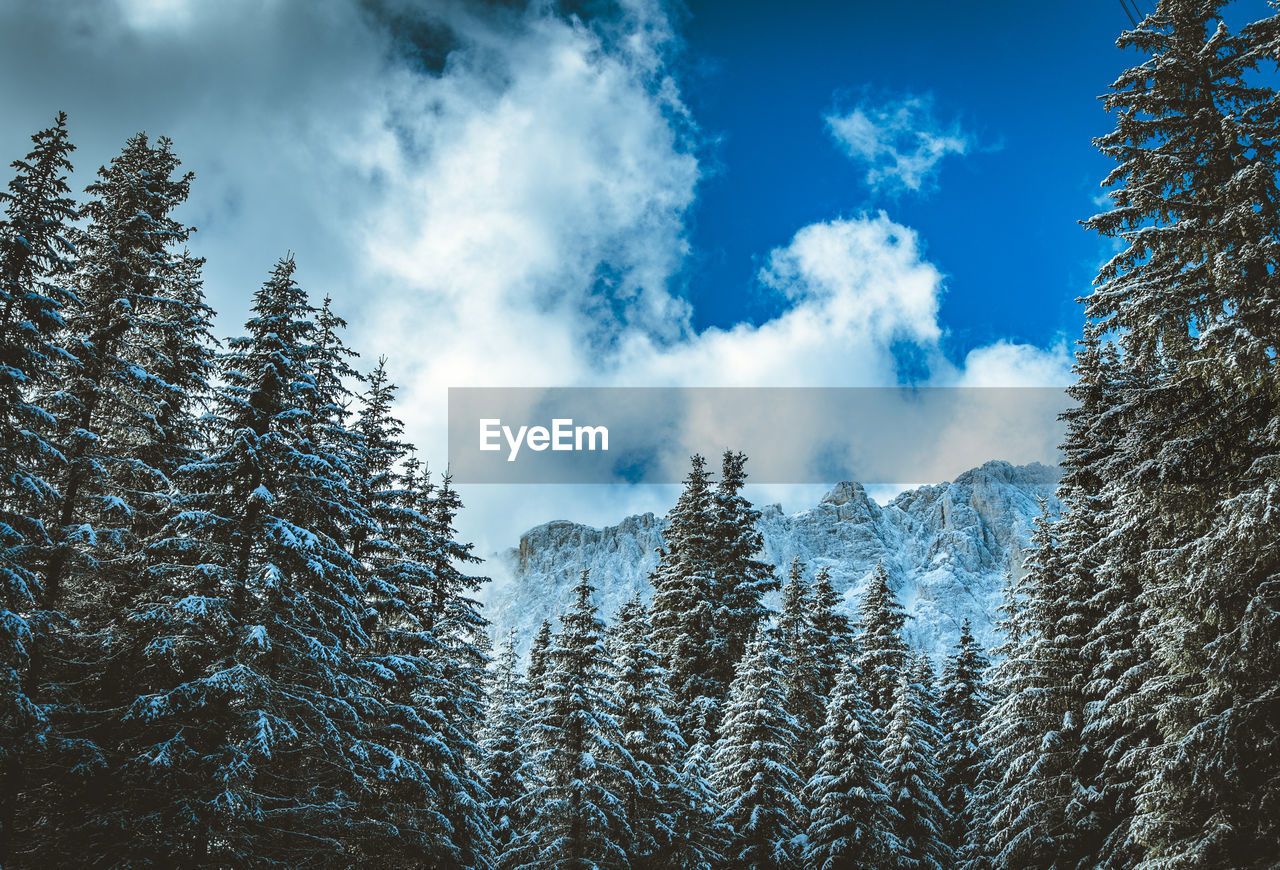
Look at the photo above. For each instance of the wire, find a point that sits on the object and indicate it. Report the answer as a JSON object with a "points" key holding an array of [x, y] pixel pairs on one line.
{"points": [[1128, 12]]}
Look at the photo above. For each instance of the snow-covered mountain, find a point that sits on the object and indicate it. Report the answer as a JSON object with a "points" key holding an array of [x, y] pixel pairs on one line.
{"points": [[947, 548]]}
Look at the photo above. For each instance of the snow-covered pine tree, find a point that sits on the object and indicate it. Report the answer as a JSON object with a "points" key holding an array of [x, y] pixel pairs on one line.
{"points": [[422, 713], [650, 787], [451, 617], [753, 768], [1117, 727], [833, 636], [35, 247], [700, 837], [575, 819], [107, 400], [502, 744], [911, 772], [852, 821], [1032, 731], [252, 710], [882, 651], [803, 692], [539, 650], [684, 613], [125, 405], [741, 580], [1192, 299], [963, 702]]}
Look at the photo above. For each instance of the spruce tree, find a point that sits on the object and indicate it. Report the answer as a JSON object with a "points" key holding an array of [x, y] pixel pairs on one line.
{"points": [[832, 634], [684, 612], [963, 702], [502, 744], [35, 251], [911, 773], [803, 690], [252, 712], [882, 652], [125, 400], [108, 401], [700, 837], [1033, 731], [753, 767], [1192, 300], [650, 787], [852, 821], [575, 819], [741, 580]]}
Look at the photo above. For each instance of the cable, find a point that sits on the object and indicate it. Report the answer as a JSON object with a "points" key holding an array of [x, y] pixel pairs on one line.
{"points": [[1125, 7]]}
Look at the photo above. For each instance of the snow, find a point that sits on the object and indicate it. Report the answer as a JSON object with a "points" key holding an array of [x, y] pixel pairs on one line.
{"points": [[947, 548]]}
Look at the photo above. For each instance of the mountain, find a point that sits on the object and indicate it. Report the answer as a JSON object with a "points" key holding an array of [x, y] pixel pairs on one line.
{"points": [[947, 548]]}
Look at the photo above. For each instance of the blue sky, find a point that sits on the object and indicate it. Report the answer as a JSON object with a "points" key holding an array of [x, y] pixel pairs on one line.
{"points": [[509, 194], [1020, 79]]}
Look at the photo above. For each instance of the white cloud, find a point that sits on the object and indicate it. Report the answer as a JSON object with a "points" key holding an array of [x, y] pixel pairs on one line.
{"points": [[900, 141], [514, 216]]}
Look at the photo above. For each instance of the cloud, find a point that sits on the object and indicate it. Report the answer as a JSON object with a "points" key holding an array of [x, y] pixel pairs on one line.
{"points": [[900, 141], [495, 195]]}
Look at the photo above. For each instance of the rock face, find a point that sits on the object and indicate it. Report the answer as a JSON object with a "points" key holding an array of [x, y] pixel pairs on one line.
{"points": [[947, 549]]}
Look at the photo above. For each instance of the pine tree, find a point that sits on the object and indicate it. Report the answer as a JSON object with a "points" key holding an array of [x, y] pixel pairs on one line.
{"points": [[35, 247], [251, 721], [539, 651], [804, 694], [684, 614], [430, 705], [741, 580], [125, 401], [1192, 300], [700, 837], [882, 652], [108, 401], [851, 818], [650, 787], [911, 773], [451, 618], [575, 818], [833, 636], [963, 702], [753, 768], [503, 749], [1033, 731]]}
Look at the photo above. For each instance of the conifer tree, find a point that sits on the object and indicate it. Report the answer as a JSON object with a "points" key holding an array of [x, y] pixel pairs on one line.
{"points": [[503, 749], [911, 773], [252, 719], [963, 702], [1192, 299], [833, 636], [125, 402], [538, 653], [650, 787], [109, 400], [684, 614], [852, 822], [575, 818], [804, 694], [700, 836], [882, 651], [1033, 730], [753, 768], [35, 247], [741, 580]]}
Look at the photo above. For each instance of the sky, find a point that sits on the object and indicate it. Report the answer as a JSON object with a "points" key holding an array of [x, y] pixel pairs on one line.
{"points": [[616, 192]]}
